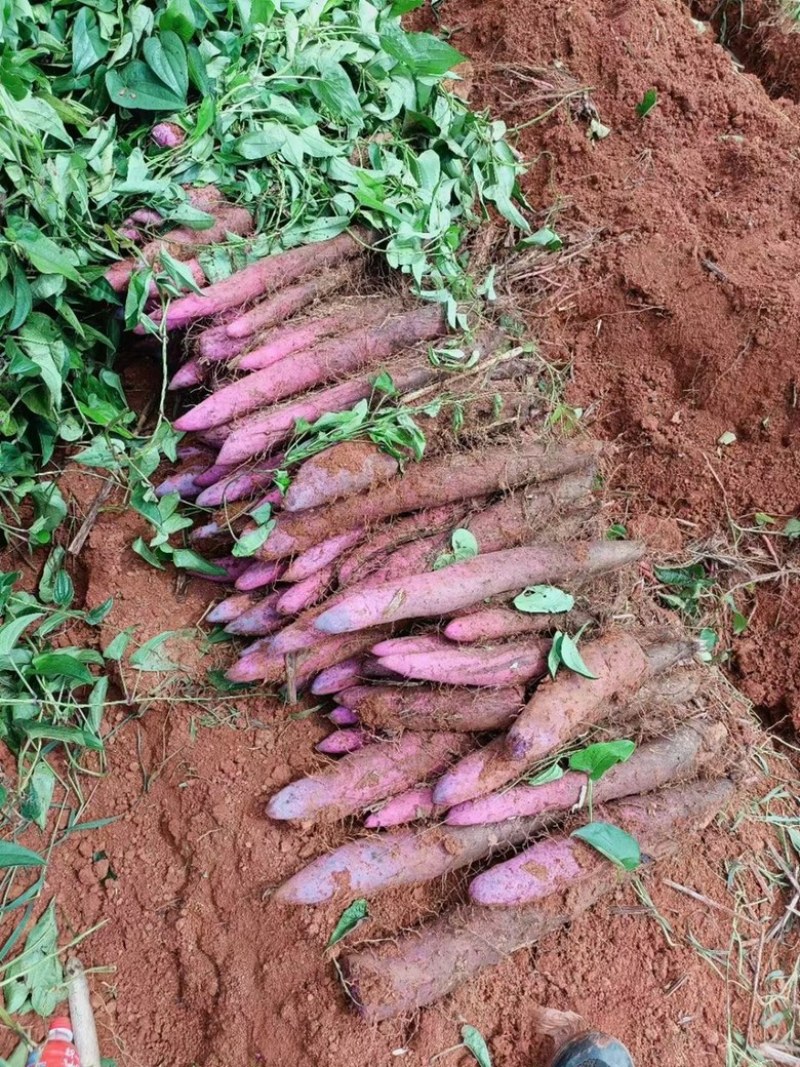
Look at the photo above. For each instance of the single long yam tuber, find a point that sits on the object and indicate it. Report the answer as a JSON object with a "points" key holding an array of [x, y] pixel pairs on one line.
{"points": [[407, 707], [401, 975], [286, 302], [258, 575], [343, 717], [313, 559], [407, 807], [339, 471], [376, 864], [491, 767], [412, 645], [249, 284], [284, 340], [362, 778], [260, 619], [499, 666], [339, 676], [213, 474], [188, 375], [340, 742], [463, 584], [329, 360], [232, 607], [507, 523], [560, 704], [493, 624], [182, 482], [307, 592], [652, 765], [232, 567], [373, 865]]}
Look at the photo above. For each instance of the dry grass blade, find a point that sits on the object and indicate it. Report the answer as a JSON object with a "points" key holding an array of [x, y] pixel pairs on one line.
{"points": [[779, 1054]]}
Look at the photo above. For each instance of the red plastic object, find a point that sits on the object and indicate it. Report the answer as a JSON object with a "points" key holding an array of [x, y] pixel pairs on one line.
{"points": [[58, 1050]]}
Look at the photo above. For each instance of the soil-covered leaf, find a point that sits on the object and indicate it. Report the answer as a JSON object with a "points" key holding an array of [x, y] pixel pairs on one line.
{"points": [[612, 842]]}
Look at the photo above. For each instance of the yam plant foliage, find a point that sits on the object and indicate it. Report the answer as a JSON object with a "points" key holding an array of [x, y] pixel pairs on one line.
{"points": [[313, 113]]}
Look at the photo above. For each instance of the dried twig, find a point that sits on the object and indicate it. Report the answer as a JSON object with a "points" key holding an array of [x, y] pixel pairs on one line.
{"points": [[78, 541]]}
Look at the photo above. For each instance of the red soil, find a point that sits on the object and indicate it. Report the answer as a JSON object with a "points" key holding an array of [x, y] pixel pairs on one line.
{"points": [[682, 323]]}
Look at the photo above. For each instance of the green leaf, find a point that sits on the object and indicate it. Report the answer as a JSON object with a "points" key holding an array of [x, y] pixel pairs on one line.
{"points": [[266, 141], [612, 842], [250, 542], [49, 571], [98, 614], [56, 665], [136, 87], [151, 656], [178, 272], [348, 921], [116, 648], [544, 238], [335, 91], [571, 657], [595, 760], [88, 47], [63, 590], [553, 773], [464, 545], [68, 735], [476, 1043], [402, 7], [683, 577], [141, 548], [554, 655], [97, 703], [39, 794], [11, 631], [647, 103], [44, 254], [186, 558], [137, 296], [14, 855], [617, 532], [792, 529], [41, 341], [262, 513], [180, 18], [166, 57], [421, 53], [709, 640], [544, 600]]}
